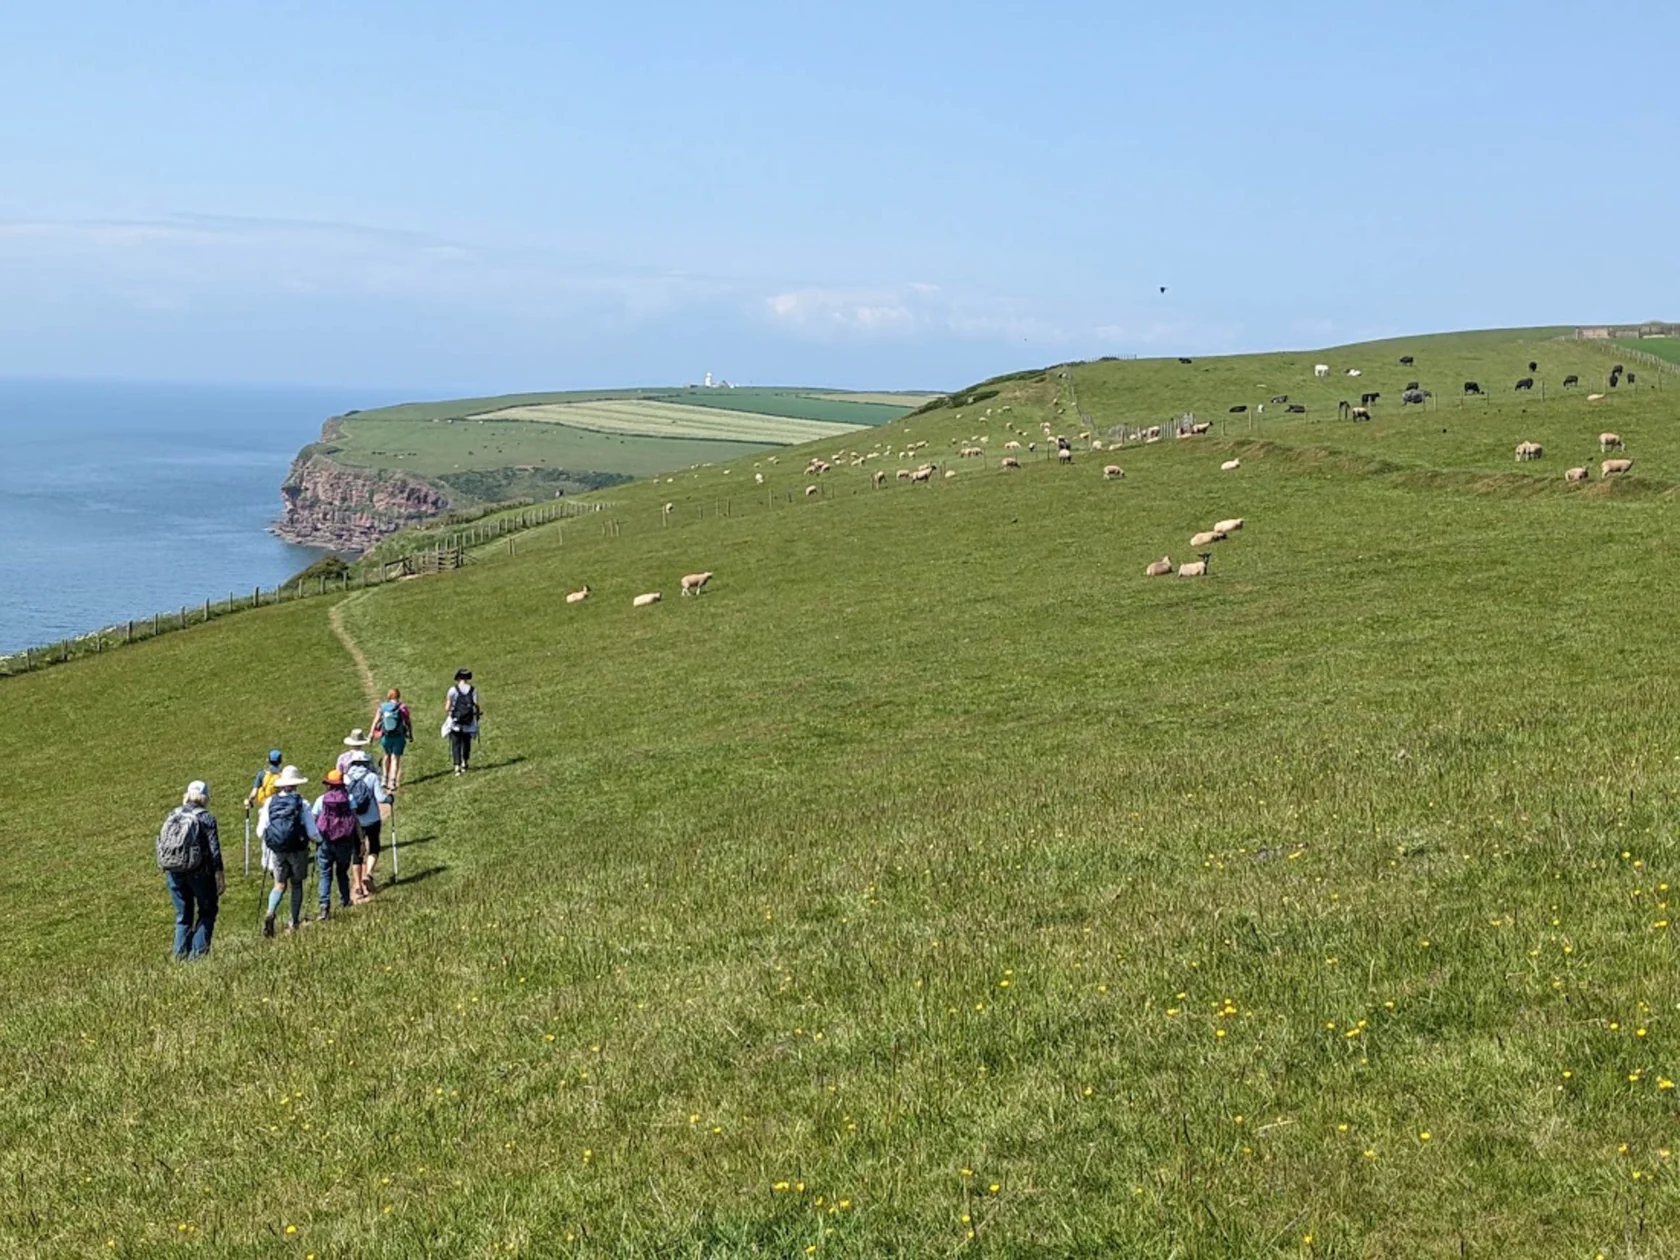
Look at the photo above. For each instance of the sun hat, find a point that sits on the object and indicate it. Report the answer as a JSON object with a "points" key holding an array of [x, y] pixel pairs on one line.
{"points": [[463, 675], [198, 787], [334, 776], [357, 738], [291, 777], [274, 757]]}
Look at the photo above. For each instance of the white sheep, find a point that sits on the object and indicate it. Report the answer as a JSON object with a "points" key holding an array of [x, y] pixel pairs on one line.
{"points": [[1615, 467], [759, 478], [1160, 568], [949, 473], [1321, 370], [1112, 472], [1195, 568], [694, 583], [1009, 461], [880, 478], [642, 601], [1230, 465], [809, 491], [1577, 474], [1609, 442], [1594, 397], [1065, 456], [577, 597], [1229, 526], [1529, 450]]}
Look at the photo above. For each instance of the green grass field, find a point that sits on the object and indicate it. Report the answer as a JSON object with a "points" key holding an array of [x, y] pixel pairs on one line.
{"points": [[1663, 347], [631, 432], [936, 883]]}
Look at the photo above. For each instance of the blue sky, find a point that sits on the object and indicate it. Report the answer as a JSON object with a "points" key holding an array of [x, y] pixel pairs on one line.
{"points": [[449, 197]]}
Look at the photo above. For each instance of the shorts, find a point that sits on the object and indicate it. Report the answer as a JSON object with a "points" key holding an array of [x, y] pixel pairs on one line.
{"points": [[370, 835], [393, 745], [289, 867]]}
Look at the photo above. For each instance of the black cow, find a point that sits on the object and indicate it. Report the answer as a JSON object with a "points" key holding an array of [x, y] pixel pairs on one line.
{"points": [[1632, 377], [1239, 409], [1571, 380], [1470, 387], [1365, 400], [1406, 360], [1533, 366], [1614, 380], [1277, 400], [1183, 360], [1617, 370], [1527, 382], [1296, 409]]}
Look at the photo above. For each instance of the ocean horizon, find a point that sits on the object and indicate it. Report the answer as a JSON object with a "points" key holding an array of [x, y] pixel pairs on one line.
{"points": [[122, 499]]}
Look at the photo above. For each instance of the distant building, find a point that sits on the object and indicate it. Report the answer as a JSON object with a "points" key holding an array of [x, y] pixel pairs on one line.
{"points": [[1656, 328]]}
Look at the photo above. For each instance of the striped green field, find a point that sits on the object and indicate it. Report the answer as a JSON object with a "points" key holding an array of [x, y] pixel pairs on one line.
{"points": [[643, 418]]}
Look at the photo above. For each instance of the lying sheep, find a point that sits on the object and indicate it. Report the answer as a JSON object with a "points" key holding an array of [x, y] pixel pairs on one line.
{"points": [[1206, 538], [577, 597], [1160, 568], [1576, 474], [1615, 467], [1230, 526], [1009, 461], [1594, 397], [1230, 465], [1112, 472], [949, 473], [642, 601], [1609, 442], [1195, 568]]}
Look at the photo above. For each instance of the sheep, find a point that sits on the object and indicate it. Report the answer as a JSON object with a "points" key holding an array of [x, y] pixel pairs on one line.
{"points": [[1012, 446], [758, 478], [1615, 467], [1609, 442], [1009, 461], [1206, 538], [923, 473], [1576, 474], [1359, 413], [694, 583], [1153, 433], [1529, 450], [809, 491], [1112, 472], [577, 597], [665, 512], [1229, 526], [1160, 568], [642, 601], [904, 474], [1195, 568], [1096, 444], [1321, 370], [1230, 465], [1064, 457], [1201, 427], [1594, 397], [880, 478], [1355, 372]]}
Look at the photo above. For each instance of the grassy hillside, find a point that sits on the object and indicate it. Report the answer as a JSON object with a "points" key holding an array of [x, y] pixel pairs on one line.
{"points": [[936, 883]]}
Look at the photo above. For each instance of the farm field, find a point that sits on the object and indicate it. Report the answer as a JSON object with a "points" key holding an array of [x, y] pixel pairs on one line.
{"points": [[644, 418], [935, 883], [1663, 347]]}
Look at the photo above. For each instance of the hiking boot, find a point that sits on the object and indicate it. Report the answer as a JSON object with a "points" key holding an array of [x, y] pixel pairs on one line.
{"points": [[326, 913], [268, 925]]}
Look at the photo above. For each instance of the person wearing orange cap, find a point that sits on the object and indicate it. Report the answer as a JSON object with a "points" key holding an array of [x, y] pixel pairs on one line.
{"points": [[335, 820]]}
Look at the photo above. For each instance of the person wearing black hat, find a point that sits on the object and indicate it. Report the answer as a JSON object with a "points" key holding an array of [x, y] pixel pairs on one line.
{"points": [[461, 712]]}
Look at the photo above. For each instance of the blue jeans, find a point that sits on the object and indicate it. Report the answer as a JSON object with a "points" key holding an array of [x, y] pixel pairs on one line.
{"points": [[334, 857], [194, 895]]}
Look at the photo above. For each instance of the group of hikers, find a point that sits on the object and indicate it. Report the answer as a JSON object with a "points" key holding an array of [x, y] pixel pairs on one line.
{"points": [[342, 828]]}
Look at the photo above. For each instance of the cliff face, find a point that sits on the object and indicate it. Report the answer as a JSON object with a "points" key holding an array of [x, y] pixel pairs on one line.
{"points": [[350, 509]]}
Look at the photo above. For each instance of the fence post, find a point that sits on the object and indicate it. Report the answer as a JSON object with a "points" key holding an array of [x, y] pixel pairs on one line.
{"points": [[256, 597], [128, 633]]}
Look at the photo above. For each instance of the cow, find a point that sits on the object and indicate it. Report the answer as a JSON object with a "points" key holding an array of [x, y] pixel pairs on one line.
{"points": [[1361, 413], [1182, 359], [1277, 400], [1571, 381], [1296, 409], [1368, 399], [1470, 387], [1533, 366], [1239, 409], [1527, 382], [1633, 377], [1617, 370], [1412, 385], [1406, 360], [1415, 396], [1354, 372]]}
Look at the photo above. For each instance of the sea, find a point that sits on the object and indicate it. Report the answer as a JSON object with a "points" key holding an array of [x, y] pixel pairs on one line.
{"points": [[119, 500]]}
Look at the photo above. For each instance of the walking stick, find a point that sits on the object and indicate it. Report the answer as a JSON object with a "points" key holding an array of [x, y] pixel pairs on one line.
{"points": [[247, 842], [396, 864]]}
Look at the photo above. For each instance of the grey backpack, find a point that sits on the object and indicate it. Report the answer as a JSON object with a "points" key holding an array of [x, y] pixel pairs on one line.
{"points": [[179, 848]]}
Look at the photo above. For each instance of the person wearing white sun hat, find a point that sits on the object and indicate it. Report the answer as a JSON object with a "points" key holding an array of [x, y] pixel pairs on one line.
{"points": [[354, 742], [287, 828]]}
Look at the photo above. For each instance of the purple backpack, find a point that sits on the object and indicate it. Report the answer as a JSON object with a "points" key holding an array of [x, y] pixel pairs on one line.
{"points": [[338, 818]]}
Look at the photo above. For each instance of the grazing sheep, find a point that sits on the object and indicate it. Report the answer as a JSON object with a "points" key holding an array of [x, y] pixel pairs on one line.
{"points": [[1112, 472], [1230, 465], [1229, 526], [1009, 461], [1576, 474], [642, 601], [1195, 568], [1011, 446], [1160, 568], [1359, 413], [904, 474], [1206, 538], [1529, 450], [880, 478], [1609, 442], [1064, 457], [809, 491], [1615, 467], [1321, 370], [694, 583], [577, 597], [923, 473], [665, 512]]}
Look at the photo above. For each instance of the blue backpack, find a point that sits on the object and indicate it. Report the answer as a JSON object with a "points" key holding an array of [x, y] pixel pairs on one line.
{"points": [[286, 832], [359, 781]]}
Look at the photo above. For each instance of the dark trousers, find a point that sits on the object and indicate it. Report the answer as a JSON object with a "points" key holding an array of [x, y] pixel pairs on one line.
{"points": [[460, 747], [334, 858], [194, 895]]}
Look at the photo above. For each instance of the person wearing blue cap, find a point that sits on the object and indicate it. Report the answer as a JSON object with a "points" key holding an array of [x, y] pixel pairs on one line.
{"points": [[262, 787]]}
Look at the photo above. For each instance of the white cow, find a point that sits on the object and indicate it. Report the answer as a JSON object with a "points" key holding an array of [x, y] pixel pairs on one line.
{"points": [[1321, 370]]}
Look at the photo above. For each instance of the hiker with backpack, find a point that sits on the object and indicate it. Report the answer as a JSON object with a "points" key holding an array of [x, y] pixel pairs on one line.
{"points": [[394, 725], [461, 712], [189, 853], [354, 742], [367, 794], [287, 829], [335, 822], [262, 787]]}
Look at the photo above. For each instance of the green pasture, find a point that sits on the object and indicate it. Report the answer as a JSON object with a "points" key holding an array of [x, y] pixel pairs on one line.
{"points": [[1662, 347], [935, 883], [803, 404], [648, 418]]}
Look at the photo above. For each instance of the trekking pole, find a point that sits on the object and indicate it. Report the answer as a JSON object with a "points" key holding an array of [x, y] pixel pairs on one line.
{"points": [[247, 842], [396, 862]]}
